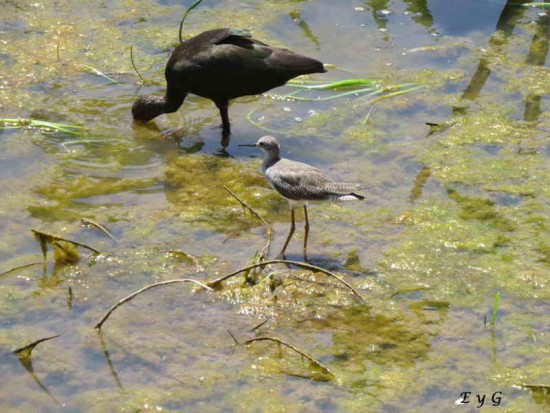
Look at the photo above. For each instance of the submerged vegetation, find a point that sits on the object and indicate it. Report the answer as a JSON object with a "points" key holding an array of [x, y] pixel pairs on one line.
{"points": [[40, 125], [390, 311]]}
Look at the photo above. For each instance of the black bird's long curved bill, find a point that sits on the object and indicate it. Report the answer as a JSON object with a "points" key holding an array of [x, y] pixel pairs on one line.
{"points": [[248, 144]]}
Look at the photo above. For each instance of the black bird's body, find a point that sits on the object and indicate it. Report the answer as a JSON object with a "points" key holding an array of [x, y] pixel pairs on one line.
{"points": [[223, 64]]}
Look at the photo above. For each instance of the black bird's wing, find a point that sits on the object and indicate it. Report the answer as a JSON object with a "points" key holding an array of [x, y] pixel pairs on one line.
{"points": [[230, 63], [218, 49]]}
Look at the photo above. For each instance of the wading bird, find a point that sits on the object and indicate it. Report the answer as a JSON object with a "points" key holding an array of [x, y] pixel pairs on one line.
{"points": [[223, 64], [299, 183]]}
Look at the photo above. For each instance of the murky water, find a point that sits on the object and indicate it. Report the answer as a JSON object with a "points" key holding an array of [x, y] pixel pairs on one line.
{"points": [[454, 214]]}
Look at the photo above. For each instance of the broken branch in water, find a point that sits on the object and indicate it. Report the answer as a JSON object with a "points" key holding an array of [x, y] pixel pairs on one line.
{"points": [[87, 221], [46, 239], [259, 325], [25, 352], [147, 287], [233, 337], [311, 359], [20, 267], [217, 281], [269, 234]]}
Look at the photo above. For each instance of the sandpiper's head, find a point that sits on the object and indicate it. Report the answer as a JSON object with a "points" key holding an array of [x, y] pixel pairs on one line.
{"points": [[268, 144]]}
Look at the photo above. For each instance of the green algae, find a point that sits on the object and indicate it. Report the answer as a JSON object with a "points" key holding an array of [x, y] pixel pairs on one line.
{"points": [[450, 219]]}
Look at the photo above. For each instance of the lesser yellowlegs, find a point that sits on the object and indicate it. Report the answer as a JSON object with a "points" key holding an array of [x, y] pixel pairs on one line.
{"points": [[299, 183]]}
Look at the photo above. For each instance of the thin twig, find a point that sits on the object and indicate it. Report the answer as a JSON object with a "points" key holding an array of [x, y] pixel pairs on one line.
{"points": [[215, 282], [368, 114], [269, 234], [259, 325], [70, 297], [312, 360], [134, 64], [53, 238], [19, 268], [25, 351], [87, 221], [147, 287], [233, 337], [195, 4], [108, 359]]}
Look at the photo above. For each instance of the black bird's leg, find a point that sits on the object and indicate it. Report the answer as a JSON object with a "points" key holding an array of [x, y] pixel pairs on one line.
{"points": [[306, 227], [292, 228], [226, 126], [222, 106]]}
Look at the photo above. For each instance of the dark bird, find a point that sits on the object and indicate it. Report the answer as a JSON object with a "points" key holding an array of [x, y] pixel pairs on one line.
{"points": [[223, 64], [299, 183]]}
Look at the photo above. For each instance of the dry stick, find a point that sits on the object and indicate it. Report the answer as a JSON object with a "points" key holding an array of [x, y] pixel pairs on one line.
{"points": [[25, 351], [20, 268], [233, 337], [261, 324], [300, 352], [147, 287], [215, 282], [87, 221], [108, 359], [264, 222], [40, 234]]}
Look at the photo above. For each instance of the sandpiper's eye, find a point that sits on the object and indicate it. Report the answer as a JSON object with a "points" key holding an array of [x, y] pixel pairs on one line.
{"points": [[261, 143]]}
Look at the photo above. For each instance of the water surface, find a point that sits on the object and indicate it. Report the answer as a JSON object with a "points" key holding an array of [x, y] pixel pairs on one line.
{"points": [[453, 215]]}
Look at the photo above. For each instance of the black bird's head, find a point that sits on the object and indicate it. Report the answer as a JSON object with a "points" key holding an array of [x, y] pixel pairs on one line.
{"points": [[146, 108]]}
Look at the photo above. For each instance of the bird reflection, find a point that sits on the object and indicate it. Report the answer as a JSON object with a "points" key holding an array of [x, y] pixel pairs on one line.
{"points": [[510, 16]]}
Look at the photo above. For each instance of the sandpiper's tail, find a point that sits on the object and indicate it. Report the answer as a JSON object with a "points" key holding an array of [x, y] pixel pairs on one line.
{"points": [[349, 197], [344, 192]]}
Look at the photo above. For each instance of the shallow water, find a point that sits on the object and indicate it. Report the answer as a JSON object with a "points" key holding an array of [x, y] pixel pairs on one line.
{"points": [[453, 215]]}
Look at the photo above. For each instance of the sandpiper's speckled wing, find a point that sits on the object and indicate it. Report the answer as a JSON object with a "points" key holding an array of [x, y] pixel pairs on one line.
{"points": [[302, 182]]}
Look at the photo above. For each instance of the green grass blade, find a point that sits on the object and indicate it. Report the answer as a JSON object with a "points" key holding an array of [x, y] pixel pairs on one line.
{"points": [[134, 64], [339, 95], [336, 85], [534, 4], [494, 314], [399, 92], [39, 124], [195, 4], [98, 73]]}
